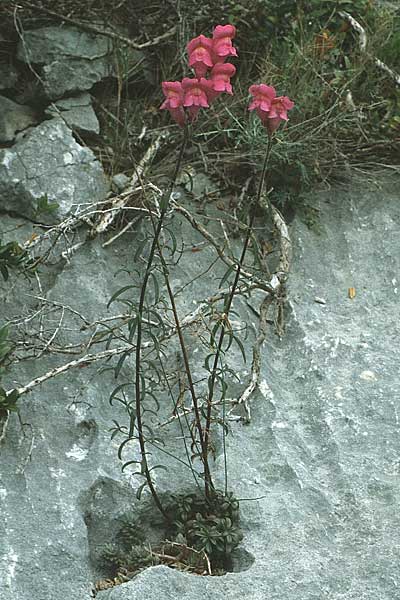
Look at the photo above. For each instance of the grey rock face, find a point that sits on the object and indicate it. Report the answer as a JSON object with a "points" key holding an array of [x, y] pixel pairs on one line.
{"points": [[77, 112], [320, 457], [8, 76], [14, 118], [119, 182], [48, 161], [72, 60]]}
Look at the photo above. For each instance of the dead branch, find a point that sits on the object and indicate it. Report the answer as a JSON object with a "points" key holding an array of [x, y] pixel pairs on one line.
{"points": [[3, 425], [99, 30], [363, 46], [256, 362], [281, 274], [119, 202], [284, 243], [264, 285], [80, 362]]}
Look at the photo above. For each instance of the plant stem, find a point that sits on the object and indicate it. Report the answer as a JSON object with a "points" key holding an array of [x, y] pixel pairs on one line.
{"points": [[228, 302], [138, 391], [203, 452], [208, 484]]}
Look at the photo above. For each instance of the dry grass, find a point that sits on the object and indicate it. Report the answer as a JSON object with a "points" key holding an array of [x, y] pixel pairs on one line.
{"points": [[347, 113]]}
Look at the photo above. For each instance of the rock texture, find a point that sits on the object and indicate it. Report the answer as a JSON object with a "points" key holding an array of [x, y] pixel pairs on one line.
{"points": [[14, 118], [320, 457], [8, 76], [71, 60], [48, 161], [77, 112]]}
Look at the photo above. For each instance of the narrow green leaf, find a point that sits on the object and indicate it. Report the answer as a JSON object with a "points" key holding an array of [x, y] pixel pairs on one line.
{"points": [[174, 242], [156, 288], [207, 361], [118, 293], [226, 275], [120, 364], [116, 391], [158, 467], [132, 324], [140, 490], [241, 347], [3, 333], [129, 462], [122, 446], [140, 248]]}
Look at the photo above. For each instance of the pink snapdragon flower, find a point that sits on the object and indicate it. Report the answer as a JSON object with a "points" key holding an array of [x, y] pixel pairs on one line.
{"points": [[278, 112], [220, 77], [188, 96], [200, 55], [174, 100], [222, 42], [197, 93], [263, 96], [271, 109]]}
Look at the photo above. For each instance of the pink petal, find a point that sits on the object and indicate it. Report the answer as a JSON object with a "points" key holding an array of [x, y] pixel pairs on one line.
{"points": [[265, 104], [253, 105], [226, 69], [175, 86], [221, 85], [253, 89], [267, 90], [198, 41], [200, 55], [187, 83], [224, 47], [200, 69], [178, 115], [263, 115], [273, 124], [193, 112], [287, 103], [224, 31]]}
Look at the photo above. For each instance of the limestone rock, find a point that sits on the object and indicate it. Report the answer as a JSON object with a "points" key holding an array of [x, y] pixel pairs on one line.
{"points": [[119, 182], [72, 60], [8, 76], [48, 161], [14, 118], [318, 464], [77, 112]]}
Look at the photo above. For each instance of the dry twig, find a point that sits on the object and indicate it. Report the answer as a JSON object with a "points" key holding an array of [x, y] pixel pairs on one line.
{"points": [[119, 202], [281, 274], [99, 30], [363, 46], [263, 285], [80, 362]]}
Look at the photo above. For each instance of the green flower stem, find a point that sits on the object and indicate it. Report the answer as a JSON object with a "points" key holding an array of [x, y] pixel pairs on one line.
{"points": [[229, 301], [208, 484], [164, 204]]}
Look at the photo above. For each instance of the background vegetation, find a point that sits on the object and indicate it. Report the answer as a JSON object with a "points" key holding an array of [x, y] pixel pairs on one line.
{"points": [[347, 114]]}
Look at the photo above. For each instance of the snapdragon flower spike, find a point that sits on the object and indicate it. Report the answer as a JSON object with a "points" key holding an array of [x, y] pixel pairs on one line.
{"points": [[220, 77], [174, 101], [222, 42], [200, 55]]}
